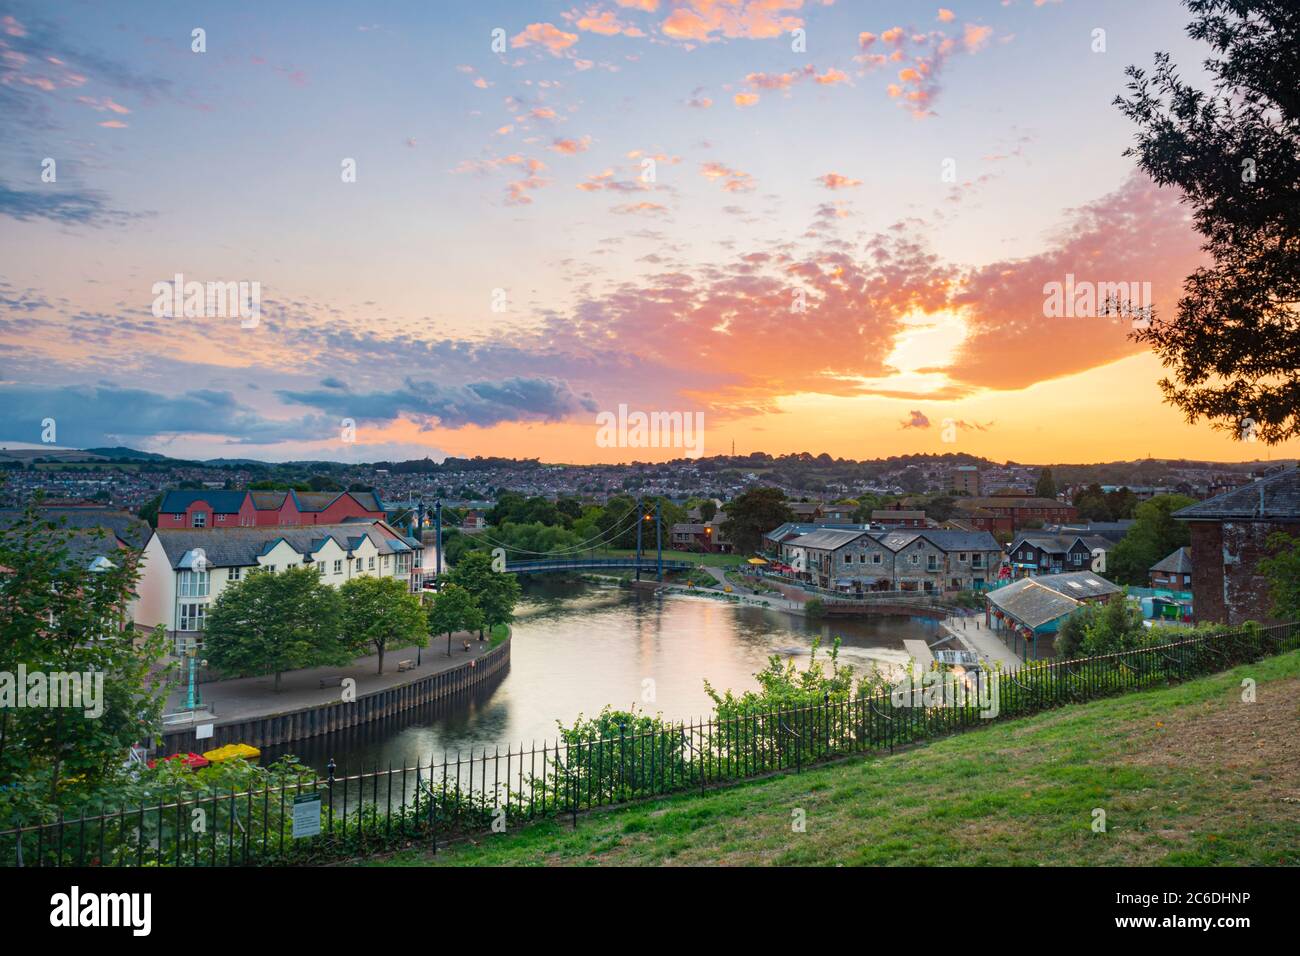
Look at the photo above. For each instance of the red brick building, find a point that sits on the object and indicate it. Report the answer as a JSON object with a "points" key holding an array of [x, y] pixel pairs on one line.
{"points": [[1229, 535], [1011, 513], [248, 509]]}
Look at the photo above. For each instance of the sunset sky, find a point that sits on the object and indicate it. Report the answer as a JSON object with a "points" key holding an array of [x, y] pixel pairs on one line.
{"points": [[784, 167]]}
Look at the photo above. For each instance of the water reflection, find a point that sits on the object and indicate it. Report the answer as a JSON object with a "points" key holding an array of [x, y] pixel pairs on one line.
{"points": [[578, 647]]}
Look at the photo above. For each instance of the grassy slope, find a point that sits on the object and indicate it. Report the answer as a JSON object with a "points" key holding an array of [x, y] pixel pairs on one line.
{"points": [[1187, 775]]}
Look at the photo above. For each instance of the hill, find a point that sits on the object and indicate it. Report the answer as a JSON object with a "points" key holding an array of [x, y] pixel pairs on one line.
{"points": [[1188, 775]]}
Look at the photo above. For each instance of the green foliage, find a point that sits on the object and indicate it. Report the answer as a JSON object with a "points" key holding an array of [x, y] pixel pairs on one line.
{"points": [[453, 609], [58, 618], [752, 514], [1282, 569], [381, 612], [814, 608], [1155, 534], [495, 593], [1046, 485], [1096, 629], [272, 622]]}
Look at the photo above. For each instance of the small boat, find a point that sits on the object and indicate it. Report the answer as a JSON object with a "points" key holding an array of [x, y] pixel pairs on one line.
{"points": [[191, 761], [233, 752]]}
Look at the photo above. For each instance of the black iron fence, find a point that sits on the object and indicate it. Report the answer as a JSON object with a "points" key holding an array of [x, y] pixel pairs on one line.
{"points": [[345, 814]]}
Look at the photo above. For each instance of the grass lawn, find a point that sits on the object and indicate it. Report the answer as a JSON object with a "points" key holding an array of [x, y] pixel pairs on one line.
{"points": [[1188, 775], [714, 560]]}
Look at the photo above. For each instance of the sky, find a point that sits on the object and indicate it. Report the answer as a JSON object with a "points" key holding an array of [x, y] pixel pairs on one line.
{"points": [[475, 228]]}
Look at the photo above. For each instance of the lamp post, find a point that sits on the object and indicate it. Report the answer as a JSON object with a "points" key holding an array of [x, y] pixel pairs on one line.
{"points": [[192, 697]]}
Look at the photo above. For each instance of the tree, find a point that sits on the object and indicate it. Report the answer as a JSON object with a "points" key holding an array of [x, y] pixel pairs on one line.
{"points": [[708, 509], [149, 510], [454, 609], [1234, 345], [61, 620], [272, 622], [1282, 569], [1154, 535], [1046, 486], [382, 613], [495, 592], [752, 514]]}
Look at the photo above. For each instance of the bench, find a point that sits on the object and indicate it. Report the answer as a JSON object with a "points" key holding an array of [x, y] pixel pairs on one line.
{"points": [[336, 681], [406, 665]]}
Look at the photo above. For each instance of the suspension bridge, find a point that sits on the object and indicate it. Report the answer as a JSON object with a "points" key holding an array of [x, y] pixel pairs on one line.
{"points": [[578, 557]]}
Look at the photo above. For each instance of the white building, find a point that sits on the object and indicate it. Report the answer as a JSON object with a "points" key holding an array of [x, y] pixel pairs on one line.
{"points": [[183, 571]]}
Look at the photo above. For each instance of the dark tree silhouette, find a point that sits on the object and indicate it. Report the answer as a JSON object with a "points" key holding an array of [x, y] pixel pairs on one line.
{"points": [[1234, 345]]}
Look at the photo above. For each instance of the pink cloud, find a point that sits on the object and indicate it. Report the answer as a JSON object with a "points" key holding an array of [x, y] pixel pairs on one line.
{"points": [[546, 35]]}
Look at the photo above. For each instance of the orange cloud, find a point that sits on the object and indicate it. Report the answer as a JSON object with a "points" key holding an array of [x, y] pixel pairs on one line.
{"points": [[698, 20], [745, 99], [945, 16], [547, 35], [836, 181], [571, 146]]}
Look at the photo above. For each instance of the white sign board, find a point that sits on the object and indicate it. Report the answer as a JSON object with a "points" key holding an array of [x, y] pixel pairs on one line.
{"points": [[306, 815], [203, 732]]}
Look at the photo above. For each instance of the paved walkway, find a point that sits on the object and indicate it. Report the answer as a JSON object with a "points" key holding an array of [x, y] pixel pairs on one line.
{"points": [[970, 630], [247, 698]]}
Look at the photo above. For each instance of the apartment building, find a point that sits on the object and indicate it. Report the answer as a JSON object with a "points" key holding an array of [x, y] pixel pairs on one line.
{"points": [[200, 509], [184, 571], [855, 561]]}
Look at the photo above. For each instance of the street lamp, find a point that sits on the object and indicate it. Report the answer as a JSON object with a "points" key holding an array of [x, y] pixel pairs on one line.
{"points": [[192, 698]]}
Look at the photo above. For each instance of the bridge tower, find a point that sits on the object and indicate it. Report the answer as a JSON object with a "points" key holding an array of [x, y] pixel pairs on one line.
{"points": [[659, 540]]}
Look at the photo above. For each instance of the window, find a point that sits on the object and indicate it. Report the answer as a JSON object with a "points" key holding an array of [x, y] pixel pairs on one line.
{"points": [[916, 559], [358, 564], [962, 557], [178, 518], [932, 562], [384, 562], [338, 566], [875, 558], [370, 564], [320, 568], [193, 584], [271, 568], [233, 574], [199, 519], [192, 617], [221, 519]]}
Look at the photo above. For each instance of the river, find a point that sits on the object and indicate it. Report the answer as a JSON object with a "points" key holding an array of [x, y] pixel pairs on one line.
{"points": [[577, 647]]}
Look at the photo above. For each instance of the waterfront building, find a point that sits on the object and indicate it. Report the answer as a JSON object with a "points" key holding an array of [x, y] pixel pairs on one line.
{"points": [[203, 509]]}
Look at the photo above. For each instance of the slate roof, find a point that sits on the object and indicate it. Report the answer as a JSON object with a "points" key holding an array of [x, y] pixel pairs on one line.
{"points": [[241, 547], [1078, 584], [130, 530], [828, 539], [222, 502], [883, 515], [1180, 562], [945, 539], [268, 500], [1274, 498], [1032, 604]]}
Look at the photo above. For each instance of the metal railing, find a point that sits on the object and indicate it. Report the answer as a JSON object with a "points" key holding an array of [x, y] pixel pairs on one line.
{"points": [[378, 809]]}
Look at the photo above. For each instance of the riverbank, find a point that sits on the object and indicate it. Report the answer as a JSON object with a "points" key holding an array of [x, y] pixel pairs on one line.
{"points": [[1186, 775], [321, 700]]}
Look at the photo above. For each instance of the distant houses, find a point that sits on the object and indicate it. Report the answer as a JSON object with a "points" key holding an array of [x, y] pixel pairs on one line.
{"points": [[1047, 552], [1229, 535], [1173, 572], [897, 518], [702, 536], [1011, 513]]}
